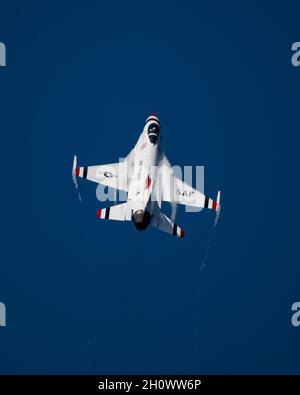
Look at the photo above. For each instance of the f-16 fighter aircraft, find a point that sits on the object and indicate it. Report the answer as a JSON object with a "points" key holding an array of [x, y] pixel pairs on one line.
{"points": [[147, 177]]}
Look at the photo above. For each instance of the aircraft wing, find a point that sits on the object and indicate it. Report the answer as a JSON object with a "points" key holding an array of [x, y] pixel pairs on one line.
{"points": [[113, 175], [174, 190]]}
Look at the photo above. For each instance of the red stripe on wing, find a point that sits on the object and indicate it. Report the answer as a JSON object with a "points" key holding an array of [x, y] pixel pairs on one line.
{"points": [[99, 213]]}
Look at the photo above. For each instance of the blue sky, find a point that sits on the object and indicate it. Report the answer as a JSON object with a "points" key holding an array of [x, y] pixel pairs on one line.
{"points": [[83, 296]]}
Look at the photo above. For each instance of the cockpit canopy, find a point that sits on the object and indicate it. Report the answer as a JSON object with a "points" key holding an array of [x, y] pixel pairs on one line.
{"points": [[153, 132]]}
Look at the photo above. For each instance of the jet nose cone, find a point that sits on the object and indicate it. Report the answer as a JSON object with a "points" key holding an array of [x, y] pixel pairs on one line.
{"points": [[153, 116]]}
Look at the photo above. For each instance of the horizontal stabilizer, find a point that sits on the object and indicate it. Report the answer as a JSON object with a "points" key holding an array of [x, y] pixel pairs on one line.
{"points": [[164, 223], [116, 213]]}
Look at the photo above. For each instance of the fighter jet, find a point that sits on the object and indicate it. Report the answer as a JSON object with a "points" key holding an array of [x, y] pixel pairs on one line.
{"points": [[147, 177]]}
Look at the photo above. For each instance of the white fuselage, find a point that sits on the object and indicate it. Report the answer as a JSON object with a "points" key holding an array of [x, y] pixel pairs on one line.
{"points": [[143, 171]]}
